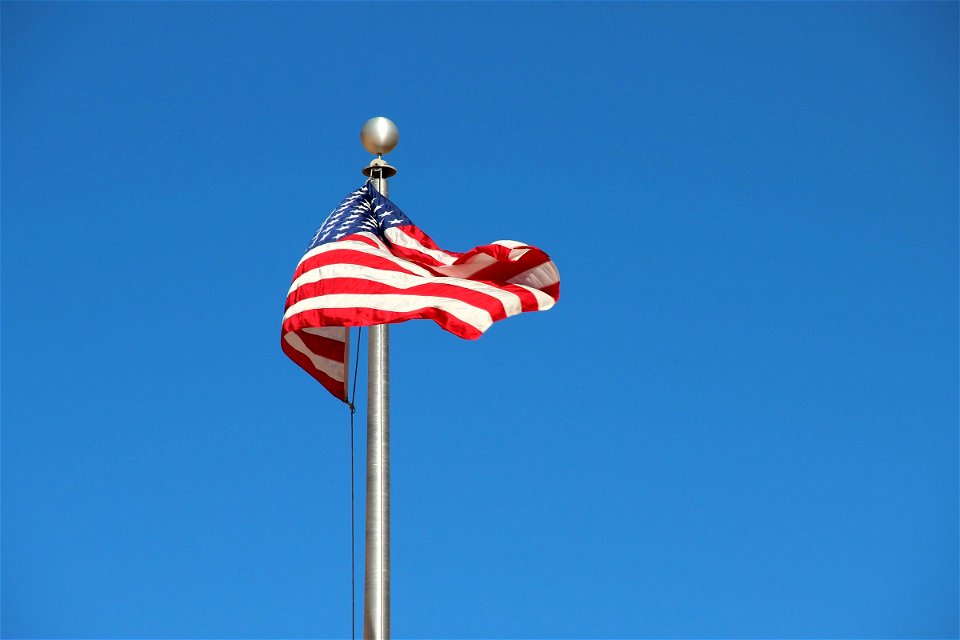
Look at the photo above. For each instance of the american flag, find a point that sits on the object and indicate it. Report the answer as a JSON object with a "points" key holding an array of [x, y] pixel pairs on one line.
{"points": [[369, 264]]}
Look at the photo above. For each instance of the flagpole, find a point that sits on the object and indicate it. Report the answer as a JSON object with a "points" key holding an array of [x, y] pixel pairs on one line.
{"points": [[379, 136]]}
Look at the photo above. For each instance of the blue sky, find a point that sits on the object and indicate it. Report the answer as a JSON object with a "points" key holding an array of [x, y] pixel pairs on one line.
{"points": [[739, 421]]}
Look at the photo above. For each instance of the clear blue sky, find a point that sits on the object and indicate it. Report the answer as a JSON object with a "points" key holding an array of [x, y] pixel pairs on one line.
{"points": [[739, 421]]}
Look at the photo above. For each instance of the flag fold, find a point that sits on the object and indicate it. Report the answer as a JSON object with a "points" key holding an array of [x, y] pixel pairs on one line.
{"points": [[369, 264]]}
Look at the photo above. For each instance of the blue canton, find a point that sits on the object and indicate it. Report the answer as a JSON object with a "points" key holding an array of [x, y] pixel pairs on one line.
{"points": [[363, 210]]}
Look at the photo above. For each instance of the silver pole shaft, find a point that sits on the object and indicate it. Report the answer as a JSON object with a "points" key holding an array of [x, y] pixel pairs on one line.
{"points": [[376, 593]]}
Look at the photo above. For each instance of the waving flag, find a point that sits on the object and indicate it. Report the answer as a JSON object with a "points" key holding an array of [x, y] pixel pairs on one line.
{"points": [[369, 264]]}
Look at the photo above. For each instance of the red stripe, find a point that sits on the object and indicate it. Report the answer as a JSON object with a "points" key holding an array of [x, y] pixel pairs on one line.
{"points": [[360, 286], [338, 389], [415, 255], [498, 251], [552, 290], [417, 234], [373, 262], [360, 237], [347, 256], [364, 317], [323, 346], [506, 269], [528, 301]]}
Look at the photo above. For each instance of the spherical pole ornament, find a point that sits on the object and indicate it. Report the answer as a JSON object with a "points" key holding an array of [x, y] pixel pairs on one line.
{"points": [[379, 135]]}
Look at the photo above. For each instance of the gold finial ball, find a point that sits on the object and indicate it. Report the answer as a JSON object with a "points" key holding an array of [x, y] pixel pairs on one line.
{"points": [[379, 135]]}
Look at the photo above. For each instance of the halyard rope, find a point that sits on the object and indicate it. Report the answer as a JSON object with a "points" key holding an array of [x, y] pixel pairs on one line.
{"points": [[353, 544]]}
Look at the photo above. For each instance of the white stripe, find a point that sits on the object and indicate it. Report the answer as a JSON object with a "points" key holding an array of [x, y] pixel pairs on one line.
{"points": [[510, 301], [397, 236], [544, 301], [517, 249], [474, 264], [330, 367], [334, 333], [359, 247], [480, 261], [539, 277], [362, 247], [397, 303]]}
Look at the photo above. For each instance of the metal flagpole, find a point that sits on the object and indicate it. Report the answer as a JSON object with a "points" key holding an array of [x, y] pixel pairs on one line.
{"points": [[379, 136]]}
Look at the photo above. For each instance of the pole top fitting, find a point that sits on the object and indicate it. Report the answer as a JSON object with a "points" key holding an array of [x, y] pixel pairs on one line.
{"points": [[378, 168], [379, 135]]}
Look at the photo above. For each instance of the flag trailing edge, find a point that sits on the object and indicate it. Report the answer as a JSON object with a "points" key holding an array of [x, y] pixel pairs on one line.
{"points": [[369, 264]]}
